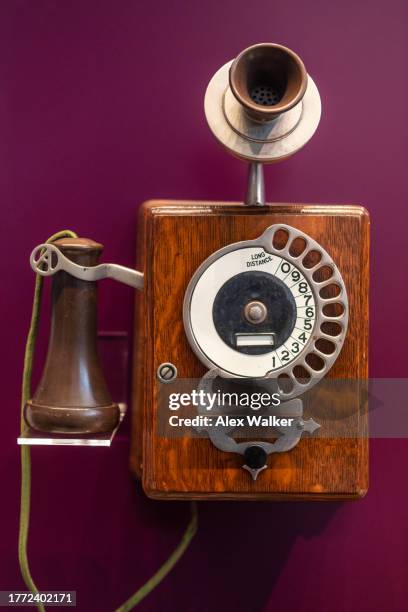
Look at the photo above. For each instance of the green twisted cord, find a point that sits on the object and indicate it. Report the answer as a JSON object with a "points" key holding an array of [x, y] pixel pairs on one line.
{"points": [[25, 450], [155, 580], [26, 470]]}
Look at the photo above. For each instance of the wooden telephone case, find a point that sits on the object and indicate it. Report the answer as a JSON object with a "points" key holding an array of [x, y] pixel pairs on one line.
{"points": [[174, 239]]}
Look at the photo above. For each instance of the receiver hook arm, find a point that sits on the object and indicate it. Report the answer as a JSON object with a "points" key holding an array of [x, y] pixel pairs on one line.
{"points": [[47, 259]]}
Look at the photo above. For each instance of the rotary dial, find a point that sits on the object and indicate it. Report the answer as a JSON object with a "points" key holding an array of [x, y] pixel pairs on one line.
{"points": [[271, 307]]}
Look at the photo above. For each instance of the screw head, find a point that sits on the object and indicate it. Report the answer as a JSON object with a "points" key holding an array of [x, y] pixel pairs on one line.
{"points": [[166, 372], [255, 312]]}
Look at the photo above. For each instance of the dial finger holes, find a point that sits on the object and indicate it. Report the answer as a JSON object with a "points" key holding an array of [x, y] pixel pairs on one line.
{"points": [[311, 259], [333, 310], [280, 239], [285, 383], [315, 362], [322, 274], [297, 246], [330, 291], [301, 374], [325, 346], [331, 328]]}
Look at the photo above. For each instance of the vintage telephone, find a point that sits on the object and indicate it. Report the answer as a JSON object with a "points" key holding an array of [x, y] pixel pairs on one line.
{"points": [[240, 296]]}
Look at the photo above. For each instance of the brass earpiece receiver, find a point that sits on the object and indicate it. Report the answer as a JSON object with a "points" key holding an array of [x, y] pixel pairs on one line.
{"points": [[72, 396]]}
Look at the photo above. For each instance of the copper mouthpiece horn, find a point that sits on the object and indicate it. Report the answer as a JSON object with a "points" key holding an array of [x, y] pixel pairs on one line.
{"points": [[267, 79]]}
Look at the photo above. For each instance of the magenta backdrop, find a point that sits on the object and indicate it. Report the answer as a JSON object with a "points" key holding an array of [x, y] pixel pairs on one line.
{"points": [[101, 107]]}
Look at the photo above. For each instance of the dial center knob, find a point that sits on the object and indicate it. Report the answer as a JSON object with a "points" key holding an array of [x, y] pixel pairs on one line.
{"points": [[255, 312]]}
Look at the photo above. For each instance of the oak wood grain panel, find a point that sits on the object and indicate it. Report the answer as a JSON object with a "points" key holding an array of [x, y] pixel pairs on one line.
{"points": [[176, 238]]}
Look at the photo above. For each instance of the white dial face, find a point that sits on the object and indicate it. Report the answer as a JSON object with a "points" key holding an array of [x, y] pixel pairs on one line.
{"points": [[285, 346]]}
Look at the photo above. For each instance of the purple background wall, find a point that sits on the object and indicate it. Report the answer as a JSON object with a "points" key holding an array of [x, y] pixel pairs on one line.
{"points": [[101, 107]]}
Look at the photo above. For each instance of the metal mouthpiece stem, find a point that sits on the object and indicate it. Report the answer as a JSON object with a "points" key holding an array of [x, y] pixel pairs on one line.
{"points": [[255, 195]]}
